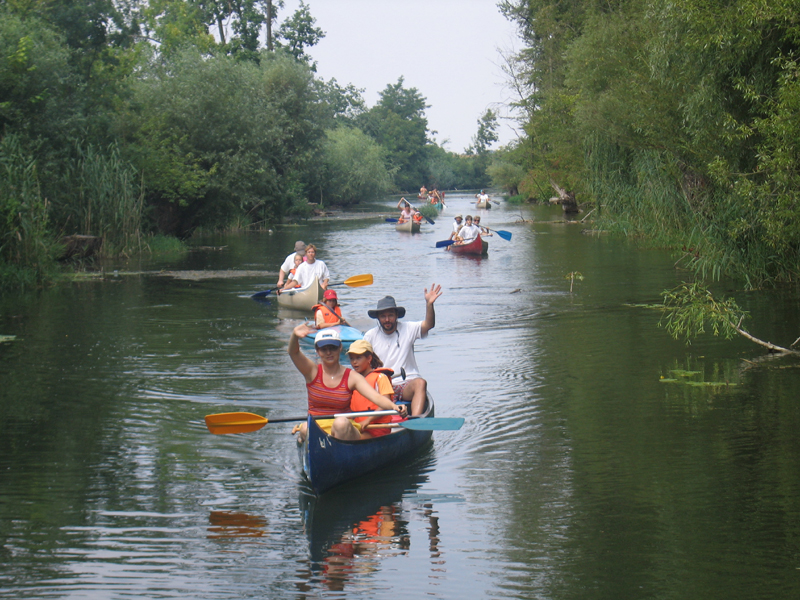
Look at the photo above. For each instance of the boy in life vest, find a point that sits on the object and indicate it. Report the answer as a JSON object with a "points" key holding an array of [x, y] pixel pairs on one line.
{"points": [[366, 363], [328, 313]]}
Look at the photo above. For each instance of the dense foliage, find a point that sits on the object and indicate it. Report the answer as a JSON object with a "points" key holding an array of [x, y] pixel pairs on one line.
{"points": [[131, 119], [680, 122]]}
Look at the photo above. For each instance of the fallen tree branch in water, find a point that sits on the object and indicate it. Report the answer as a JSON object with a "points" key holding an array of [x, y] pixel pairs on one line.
{"points": [[690, 306]]}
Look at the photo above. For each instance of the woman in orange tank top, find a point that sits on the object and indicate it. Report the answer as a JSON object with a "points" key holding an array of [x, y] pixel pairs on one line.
{"points": [[329, 384]]}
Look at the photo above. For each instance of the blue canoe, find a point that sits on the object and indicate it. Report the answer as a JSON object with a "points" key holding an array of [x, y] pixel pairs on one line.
{"points": [[328, 462]]}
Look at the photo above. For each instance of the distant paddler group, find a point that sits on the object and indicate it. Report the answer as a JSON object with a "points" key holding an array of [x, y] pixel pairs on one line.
{"points": [[466, 238], [434, 196]]}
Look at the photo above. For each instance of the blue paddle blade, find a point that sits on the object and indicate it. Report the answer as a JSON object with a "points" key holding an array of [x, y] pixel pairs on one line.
{"points": [[444, 243], [262, 294], [392, 220], [433, 424], [506, 235]]}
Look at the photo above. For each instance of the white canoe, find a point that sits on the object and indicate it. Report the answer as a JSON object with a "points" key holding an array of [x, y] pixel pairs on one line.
{"points": [[407, 227], [302, 298]]}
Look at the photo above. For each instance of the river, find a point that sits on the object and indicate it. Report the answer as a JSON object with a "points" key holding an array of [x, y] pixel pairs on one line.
{"points": [[599, 458]]}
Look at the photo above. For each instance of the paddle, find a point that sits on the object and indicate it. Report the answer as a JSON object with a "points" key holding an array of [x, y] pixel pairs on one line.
{"points": [[243, 422], [425, 424], [354, 281], [506, 235], [431, 221], [359, 280]]}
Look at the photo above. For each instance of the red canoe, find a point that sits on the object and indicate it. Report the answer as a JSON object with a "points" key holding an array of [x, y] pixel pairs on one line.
{"points": [[476, 247]]}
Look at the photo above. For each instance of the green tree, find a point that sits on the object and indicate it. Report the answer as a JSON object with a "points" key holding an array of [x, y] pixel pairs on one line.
{"points": [[354, 167], [35, 79], [486, 134], [682, 122], [219, 138], [298, 33], [479, 149], [398, 123], [342, 105], [175, 24]]}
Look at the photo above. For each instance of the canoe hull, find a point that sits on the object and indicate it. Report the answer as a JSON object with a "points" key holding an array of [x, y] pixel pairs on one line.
{"points": [[302, 298], [328, 462], [477, 247], [407, 227], [486, 205]]}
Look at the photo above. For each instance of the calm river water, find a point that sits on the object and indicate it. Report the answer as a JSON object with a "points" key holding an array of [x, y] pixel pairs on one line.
{"points": [[599, 459]]}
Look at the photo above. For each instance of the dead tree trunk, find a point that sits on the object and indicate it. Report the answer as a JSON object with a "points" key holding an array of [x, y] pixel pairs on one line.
{"points": [[80, 246], [565, 198]]}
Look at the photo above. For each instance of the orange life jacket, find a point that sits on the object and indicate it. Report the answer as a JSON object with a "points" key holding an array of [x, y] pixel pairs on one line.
{"points": [[328, 315], [417, 217], [359, 403]]}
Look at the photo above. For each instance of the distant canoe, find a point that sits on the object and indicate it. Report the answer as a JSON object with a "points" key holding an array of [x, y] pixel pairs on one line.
{"points": [[408, 227], [476, 247], [302, 298], [487, 205]]}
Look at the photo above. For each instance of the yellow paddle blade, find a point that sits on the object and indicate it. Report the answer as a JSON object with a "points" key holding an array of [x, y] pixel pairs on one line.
{"points": [[359, 280], [237, 422]]}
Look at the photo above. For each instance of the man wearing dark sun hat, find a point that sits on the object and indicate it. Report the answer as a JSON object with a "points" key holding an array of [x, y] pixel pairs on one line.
{"points": [[393, 340]]}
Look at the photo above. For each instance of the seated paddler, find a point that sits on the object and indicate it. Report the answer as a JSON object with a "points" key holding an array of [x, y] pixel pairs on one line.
{"points": [[330, 385], [365, 362], [329, 313]]}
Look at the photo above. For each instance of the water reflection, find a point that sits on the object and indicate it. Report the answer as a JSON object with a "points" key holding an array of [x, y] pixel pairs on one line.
{"points": [[229, 525], [352, 529], [579, 468]]}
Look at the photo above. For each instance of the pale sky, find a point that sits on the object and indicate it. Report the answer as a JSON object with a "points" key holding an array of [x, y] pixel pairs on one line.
{"points": [[448, 49]]}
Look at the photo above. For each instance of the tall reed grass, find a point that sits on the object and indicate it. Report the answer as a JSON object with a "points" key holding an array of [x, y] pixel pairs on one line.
{"points": [[27, 247], [648, 194], [110, 198]]}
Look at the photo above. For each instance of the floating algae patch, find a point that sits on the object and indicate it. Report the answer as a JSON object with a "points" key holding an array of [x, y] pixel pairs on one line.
{"points": [[692, 378], [685, 373], [697, 383], [650, 306], [7, 338]]}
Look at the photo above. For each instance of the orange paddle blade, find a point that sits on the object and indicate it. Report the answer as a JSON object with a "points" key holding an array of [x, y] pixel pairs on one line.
{"points": [[359, 280], [238, 422]]}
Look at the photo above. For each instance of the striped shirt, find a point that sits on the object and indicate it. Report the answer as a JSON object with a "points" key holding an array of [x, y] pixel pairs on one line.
{"points": [[324, 400]]}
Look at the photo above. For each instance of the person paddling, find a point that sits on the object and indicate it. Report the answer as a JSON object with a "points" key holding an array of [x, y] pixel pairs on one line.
{"points": [[484, 231], [311, 268], [330, 385], [457, 225], [289, 262], [468, 232], [405, 210], [328, 313]]}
